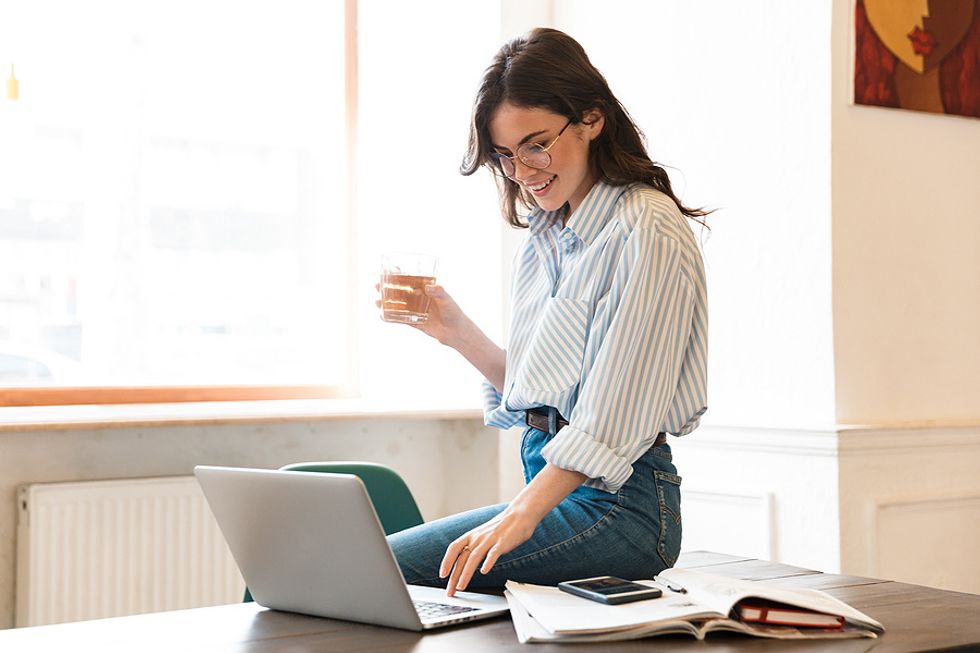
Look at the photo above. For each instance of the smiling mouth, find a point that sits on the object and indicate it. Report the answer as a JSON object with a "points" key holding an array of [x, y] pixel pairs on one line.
{"points": [[537, 188]]}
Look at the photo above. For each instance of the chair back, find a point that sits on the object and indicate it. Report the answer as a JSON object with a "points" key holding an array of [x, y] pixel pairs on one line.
{"points": [[389, 494]]}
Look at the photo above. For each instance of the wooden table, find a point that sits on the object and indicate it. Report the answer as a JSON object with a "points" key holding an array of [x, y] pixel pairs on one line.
{"points": [[915, 618]]}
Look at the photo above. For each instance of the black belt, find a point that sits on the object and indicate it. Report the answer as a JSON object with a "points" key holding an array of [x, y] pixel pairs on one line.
{"points": [[549, 420], [545, 418]]}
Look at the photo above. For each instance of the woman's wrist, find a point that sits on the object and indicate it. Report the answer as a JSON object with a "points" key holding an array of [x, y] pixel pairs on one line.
{"points": [[524, 509], [461, 338], [545, 492], [482, 352]]}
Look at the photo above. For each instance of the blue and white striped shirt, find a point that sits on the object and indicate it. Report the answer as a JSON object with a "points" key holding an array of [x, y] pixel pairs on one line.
{"points": [[609, 326]]}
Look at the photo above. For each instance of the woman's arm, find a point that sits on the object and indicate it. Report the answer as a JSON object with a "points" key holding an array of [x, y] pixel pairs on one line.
{"points": [[509, 529], [448, 324]]}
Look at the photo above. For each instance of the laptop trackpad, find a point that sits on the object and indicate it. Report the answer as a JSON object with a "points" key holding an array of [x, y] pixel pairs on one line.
{"points": [[466, 599]]}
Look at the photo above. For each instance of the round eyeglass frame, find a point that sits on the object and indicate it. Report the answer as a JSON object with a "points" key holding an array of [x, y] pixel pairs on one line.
{"points": [[533, 155]]}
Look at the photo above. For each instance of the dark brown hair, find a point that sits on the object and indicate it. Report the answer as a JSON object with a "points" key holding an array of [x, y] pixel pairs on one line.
{"points": [[548, 69]]}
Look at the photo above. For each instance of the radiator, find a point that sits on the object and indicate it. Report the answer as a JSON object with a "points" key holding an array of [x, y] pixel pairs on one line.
{"points": [[112, 548]]}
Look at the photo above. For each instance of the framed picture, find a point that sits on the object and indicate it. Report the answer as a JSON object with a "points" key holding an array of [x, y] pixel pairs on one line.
{"points": [[922, 55]]}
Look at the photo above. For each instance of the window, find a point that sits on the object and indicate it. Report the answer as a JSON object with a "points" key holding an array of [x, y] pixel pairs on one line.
{"points": [[174, 190]]}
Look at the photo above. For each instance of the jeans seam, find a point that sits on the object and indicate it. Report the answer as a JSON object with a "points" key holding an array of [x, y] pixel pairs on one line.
{"points": [[589, 531], [658, 478], [524, 438]]}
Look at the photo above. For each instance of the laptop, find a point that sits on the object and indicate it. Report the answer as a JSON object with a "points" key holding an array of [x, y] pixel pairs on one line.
{"points": [[312, 543]]}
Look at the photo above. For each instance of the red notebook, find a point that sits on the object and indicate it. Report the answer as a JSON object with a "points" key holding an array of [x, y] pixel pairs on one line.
{"points": [[781, 615]]}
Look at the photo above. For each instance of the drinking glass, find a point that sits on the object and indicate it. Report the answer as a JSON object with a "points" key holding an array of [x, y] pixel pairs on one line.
{"points": [[404, 277]]}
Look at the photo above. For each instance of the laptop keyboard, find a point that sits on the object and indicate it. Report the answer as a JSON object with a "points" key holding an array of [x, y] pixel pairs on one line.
{"points": [[429, 610]]}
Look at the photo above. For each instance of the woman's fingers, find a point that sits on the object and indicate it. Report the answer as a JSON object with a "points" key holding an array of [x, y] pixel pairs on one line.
{"points": [[436, 292], [491, 560], [461, 560], [449, 559], [470, 565]]}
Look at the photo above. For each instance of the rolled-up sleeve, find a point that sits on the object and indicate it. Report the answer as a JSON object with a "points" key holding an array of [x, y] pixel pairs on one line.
{"points": [[628, 390]]}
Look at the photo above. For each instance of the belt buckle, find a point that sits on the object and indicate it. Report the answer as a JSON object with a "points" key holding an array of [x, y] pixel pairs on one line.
{"points": [[552, 420]]}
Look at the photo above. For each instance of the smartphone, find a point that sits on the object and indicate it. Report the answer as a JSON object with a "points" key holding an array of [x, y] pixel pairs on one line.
{"points": [[609, 590]]}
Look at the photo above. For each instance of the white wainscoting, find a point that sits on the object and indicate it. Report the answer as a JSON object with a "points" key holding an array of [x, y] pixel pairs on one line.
{"points": [[910, 504], [745, 522], [761, 492], [912, 537], [896, 503]]}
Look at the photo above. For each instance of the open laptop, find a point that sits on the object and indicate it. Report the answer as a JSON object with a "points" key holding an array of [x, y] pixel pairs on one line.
{"points": [[312, 543]]}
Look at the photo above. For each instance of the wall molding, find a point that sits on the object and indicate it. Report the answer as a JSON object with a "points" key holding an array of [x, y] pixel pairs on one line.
{"points": [[894, 439], [835, 440], [796, 442], [939, 502]]}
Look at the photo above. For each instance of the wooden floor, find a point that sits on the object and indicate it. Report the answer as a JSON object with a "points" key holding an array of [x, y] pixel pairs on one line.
{"points": [[915, 618]]}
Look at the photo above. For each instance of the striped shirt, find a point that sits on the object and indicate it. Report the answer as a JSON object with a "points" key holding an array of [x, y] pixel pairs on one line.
{"points": [[609, 326]]}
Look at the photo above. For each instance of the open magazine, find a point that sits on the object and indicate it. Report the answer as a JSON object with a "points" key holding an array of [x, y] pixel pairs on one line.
{"points": [[693, 602]]}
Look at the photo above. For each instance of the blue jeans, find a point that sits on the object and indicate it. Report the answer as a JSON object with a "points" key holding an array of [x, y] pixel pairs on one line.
{"points": [[634, 533]]}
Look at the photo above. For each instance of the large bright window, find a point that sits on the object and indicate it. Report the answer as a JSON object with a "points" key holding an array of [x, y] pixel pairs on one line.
{"points": [[176, 207]]}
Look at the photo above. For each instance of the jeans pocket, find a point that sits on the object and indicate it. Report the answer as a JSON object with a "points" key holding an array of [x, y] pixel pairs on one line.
{"points": [[669, 500]]}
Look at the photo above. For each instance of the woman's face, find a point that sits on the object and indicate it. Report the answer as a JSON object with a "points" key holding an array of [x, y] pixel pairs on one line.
{"points": [[568, 177]]}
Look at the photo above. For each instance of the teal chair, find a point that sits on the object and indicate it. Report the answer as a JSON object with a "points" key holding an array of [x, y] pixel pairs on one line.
{"points": [[392, 499]]}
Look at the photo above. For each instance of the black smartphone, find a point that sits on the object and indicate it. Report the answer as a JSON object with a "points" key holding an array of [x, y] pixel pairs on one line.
{"points": [[609, 590]]}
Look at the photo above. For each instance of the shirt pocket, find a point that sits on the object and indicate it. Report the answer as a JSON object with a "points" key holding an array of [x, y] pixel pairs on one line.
{"points": [[554, 357]]}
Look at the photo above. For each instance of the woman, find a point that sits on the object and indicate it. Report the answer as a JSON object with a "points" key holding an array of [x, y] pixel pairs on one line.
{"points": [[607, 345]]}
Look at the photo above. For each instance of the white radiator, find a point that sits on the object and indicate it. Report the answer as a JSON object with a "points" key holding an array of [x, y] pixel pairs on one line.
{"points": [[111, 548]]}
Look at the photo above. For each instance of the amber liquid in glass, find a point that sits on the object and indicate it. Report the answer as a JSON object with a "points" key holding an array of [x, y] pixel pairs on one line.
{"points": [[403, 298]]}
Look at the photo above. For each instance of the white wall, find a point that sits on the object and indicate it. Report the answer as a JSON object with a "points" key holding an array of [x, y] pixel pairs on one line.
{"points": [[734, 96], [906, 252], [906, 225]]}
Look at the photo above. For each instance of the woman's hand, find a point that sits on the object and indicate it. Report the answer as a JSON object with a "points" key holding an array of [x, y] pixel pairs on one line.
{"points": [[485, 543], [508, 530], [446, 319]]}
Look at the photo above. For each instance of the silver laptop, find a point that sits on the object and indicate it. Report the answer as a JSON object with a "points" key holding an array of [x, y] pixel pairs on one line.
{"points": [[312, 543]]}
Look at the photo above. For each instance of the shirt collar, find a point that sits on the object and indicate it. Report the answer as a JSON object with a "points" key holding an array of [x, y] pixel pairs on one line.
{"points": [[594, 211], [540, 221], [590, 217]]}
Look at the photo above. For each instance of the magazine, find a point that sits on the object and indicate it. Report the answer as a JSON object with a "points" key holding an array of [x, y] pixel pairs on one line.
{"points": [[693, 602]]}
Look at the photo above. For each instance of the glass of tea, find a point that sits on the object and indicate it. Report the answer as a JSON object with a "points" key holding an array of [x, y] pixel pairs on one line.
{"points": [[404, 277]]}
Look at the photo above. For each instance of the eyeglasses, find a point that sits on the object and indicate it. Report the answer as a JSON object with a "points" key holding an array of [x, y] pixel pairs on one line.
{"points": [[533, 155]]}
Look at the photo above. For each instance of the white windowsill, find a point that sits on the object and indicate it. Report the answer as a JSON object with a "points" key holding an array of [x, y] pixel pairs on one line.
{"points": [[34, 418]]}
